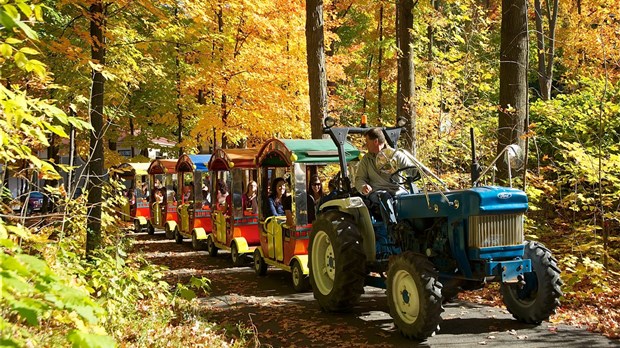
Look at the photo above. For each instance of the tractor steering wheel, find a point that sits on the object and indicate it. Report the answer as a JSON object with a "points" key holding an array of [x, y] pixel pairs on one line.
{"points": [[398, 178]]}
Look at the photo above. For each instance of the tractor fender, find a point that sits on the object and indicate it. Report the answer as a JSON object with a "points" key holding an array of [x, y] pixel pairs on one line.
{"points": [[303, 262], [355, 207], [201, 234], [242, 245], [142, 220], [172, 225]]}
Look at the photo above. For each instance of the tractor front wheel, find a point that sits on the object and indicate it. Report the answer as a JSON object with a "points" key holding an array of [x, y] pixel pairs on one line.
{"points": [[150, 229], [540, 296], [337, 262], [414, 295]]}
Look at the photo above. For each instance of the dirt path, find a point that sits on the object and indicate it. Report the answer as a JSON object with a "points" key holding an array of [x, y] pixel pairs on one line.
{"points": [[283, 318]]}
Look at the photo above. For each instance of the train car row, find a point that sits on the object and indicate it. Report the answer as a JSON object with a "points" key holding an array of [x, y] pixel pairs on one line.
{"points": [[257, 202]]}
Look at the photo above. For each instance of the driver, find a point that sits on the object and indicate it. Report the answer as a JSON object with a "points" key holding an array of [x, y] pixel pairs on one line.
{"points": [[374, 171]]}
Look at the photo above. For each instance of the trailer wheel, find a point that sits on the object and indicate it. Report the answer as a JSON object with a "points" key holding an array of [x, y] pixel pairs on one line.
{"points": [[197, 244], [169, 233], [178, 237], [540, 296], [337, 262], [211, 248], [260, 267], [137, 228], [301, 282], [237, 259], [414, 295]]}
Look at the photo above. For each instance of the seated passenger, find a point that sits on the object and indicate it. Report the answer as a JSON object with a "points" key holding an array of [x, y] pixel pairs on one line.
{"points": [[275, 201], [250, 201], [315, 194], [222, 194]]}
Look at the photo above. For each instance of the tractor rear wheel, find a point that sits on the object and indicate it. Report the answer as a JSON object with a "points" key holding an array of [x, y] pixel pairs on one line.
{"points": [[260, 267], [414, 295], [540, 296], [337, 262], [301, 282]]}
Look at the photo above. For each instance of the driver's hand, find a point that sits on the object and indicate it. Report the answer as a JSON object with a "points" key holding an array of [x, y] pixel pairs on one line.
{"points": [[366, 189]]}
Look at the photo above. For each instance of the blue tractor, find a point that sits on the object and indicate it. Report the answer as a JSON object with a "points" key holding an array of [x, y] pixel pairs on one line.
{"points": [[442, 242]]}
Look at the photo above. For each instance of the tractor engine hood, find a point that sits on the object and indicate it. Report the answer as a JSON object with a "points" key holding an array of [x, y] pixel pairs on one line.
{"points": [[485, 200]]}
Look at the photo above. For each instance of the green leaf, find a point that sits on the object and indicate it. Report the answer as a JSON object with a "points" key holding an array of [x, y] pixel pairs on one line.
{"points": [[7, 21], [87, 340], [6, 50], [29, 50], [20, 60], [25, 9], [187, 294], [13, 41], [34, 264], [8, 343], [28, 312], [28, 31], [12, 11]]}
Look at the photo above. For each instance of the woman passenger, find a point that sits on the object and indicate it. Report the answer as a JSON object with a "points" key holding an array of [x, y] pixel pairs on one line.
{"points": [[222, 194], [250, 197], [278, 193], [315, 194]]}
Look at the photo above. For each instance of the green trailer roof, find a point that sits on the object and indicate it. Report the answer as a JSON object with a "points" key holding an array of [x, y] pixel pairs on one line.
{"points": [[284, 152]]}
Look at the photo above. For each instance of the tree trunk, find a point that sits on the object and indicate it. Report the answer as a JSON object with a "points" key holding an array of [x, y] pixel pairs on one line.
{"points": [[179, 107], [512, 78], [546, 55], [52, 155], [132, 132], [407, 78], [317, 79], [95, 165], [379, 66]]}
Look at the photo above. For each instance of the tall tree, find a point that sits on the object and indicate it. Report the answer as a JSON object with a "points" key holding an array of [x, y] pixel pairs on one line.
{"points": [[317, 79], [96, 162], [512, 77], [546, 50], [406, 72]]}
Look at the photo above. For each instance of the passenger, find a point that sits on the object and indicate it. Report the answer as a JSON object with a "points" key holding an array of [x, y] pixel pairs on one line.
{"points": [[188, 192], [222, 194], [315, 194], [250, 201], [276, 198], [144, 191], [206, 196], [159, 197]]}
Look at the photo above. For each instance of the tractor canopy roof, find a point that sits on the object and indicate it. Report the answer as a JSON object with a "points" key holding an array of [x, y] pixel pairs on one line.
{"points": [[226, 159], [190, 163], [284, 152], [162, 166], [127, 170]]}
